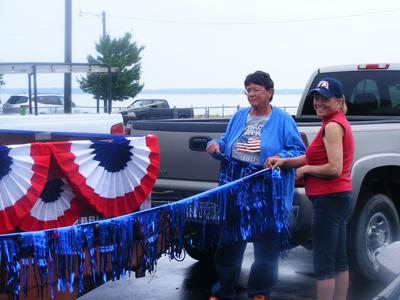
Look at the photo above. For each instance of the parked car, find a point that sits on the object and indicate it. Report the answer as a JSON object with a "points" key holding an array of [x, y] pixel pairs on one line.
{"points": [[47, 104], [150, 109], [140, 103]]}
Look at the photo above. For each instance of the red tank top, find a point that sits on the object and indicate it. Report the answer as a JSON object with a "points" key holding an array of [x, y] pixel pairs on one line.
{"points": [[316, 155]]}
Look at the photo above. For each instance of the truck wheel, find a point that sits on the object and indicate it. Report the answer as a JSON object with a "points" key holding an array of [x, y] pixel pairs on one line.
{"points": [[371, 230], [203, 255]]}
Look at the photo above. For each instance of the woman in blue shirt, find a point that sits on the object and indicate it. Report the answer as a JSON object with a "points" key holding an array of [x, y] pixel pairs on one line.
{"points": [[253, 135]]}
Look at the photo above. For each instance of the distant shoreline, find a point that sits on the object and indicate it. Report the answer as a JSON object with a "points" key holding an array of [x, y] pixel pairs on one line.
{"points": [[188, 91]]}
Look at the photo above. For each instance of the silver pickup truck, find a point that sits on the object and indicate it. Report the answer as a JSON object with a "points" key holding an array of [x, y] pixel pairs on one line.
{"points": [[373, 96]]}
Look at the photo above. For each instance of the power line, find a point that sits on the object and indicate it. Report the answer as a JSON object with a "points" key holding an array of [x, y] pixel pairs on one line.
{"points": [[305, 20], [260, 22]]}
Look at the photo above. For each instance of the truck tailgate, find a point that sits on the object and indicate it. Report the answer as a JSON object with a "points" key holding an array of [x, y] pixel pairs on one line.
{"points": [[188, 139]]}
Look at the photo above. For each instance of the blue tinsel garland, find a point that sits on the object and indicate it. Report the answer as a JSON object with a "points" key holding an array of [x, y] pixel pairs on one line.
{"points": [[247, 204]]}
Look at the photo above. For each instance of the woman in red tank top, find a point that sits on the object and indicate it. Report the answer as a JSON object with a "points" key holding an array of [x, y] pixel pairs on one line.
{"points": [[326, 171]]}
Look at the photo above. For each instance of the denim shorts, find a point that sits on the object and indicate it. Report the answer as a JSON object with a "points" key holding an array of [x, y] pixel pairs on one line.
{"points": [[329, 225]]}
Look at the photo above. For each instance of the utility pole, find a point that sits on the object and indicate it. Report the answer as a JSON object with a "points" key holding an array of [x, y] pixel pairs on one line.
{"points": [[68, 55]]}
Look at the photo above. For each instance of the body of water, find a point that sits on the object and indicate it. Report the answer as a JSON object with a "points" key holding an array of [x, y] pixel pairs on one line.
{"points": [[218, 104], [214, 102]]}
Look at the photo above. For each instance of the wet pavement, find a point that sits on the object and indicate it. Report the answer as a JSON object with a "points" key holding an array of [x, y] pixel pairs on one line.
{"points": [[191, 280]]}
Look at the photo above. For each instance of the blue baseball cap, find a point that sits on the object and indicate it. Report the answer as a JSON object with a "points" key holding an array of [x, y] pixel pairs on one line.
{"points": [[328, 87]]}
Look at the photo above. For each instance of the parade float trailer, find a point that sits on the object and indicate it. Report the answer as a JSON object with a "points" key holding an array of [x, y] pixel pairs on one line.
{"points": [[54, 180]]}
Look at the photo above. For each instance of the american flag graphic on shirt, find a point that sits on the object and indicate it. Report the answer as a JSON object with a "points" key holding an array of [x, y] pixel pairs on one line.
{"points": [[248, 145], [252, 146]]}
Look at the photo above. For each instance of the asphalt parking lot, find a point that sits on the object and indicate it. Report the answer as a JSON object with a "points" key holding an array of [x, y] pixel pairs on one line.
{"points": [[191, 280]]}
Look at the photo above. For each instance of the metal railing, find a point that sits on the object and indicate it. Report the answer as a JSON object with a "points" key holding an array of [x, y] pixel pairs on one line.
{"points": [[227, 111], [198, 111]]}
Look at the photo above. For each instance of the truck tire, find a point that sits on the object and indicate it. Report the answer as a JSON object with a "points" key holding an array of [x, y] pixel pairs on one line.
{"points": [[203, 255], [371, 230]]}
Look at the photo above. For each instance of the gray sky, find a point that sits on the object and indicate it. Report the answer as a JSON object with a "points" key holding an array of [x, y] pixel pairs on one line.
{"points": [[207, 43]]}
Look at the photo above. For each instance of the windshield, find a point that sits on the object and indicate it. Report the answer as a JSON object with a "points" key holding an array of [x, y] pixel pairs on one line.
{"points": [[17, 99], [51, 100], [140, 103], [145, 103]]}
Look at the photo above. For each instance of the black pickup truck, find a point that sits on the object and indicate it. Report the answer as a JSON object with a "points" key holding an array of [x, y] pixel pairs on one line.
{"points": [[373, 96], [151, 109]]}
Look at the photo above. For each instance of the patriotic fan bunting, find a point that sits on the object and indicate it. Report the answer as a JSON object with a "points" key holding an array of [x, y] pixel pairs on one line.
{"points": [[23, 174], [57, 206], [115, 177]]}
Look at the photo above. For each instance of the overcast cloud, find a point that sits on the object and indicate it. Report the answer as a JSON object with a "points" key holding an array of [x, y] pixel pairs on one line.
{"points": [[207, 43]]}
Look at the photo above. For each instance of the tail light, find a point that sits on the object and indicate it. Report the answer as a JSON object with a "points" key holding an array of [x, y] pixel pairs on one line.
{"points": [[373, 66], [118, 129]]}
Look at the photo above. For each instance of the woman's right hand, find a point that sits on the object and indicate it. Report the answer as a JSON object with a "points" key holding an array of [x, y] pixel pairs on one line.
{"points": [[213, 148]]}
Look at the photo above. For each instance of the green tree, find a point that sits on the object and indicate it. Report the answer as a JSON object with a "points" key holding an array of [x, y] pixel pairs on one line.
{"points": [[123, 54], [1, 80]]}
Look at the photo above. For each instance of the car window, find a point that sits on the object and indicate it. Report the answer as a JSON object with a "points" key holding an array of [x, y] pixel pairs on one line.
{"points": [[159, 103], [140, 103], [17, 99], [368, 93], [50, 100], [394, 92]]}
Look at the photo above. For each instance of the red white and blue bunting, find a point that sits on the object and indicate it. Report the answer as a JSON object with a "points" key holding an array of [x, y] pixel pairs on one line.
{"points": [[115, 177], [44, 185], [57, 206], [23, 174]]}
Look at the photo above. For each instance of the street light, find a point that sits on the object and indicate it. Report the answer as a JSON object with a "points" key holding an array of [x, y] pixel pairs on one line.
{"points": [[101, 16]]}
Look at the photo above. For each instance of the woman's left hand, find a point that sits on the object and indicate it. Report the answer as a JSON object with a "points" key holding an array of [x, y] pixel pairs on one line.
{"points": [[301, 172]]}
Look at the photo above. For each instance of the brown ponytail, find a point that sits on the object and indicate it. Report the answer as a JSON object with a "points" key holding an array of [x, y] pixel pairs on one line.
{"points": [[344, 106]]}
